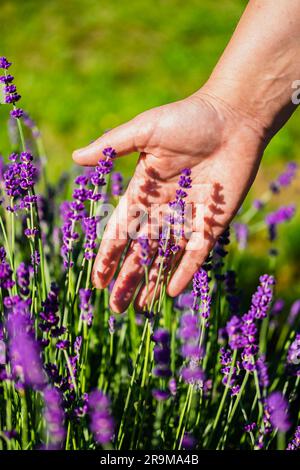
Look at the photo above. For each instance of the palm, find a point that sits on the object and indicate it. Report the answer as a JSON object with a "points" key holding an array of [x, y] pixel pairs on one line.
{"points": [[223, 151]]}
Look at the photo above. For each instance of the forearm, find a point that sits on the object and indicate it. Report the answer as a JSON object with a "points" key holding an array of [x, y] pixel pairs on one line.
{"points": [[262, 60]]}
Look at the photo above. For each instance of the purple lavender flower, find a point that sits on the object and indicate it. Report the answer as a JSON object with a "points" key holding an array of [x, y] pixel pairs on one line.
{"points": [[89, 225], [49, 314], [162, 353], [293, 356], [294, 312], [295, 442], [160, 395], [258, 204], [24, 351], [229, 371], [172, 386], [262, 298], [17, 113], [173, 229], [185, 300], [285, 178], [23, 278], [20, 176], [85, 306], [6, 281], [234, 332], [189, 333], [112, 324], [201, 292], [241, 234], [4, 64], [144, 251], [277, 307], [54, 416], [283, 214], [188, 441], [250, 427], [101, 422], [278, 408], [116, 184], [262, 370]]}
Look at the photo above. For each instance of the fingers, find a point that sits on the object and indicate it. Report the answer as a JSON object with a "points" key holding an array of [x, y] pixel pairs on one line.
{"points": [[147, 295], [122, 139], [190, 262], [114, 242], [129, 277]]}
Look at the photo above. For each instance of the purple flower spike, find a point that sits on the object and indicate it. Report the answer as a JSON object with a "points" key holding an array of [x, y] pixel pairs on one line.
{"points": [[283, 214], [188, 441], [294, 312], [241, 234], [101, 422], [24, 351], [109, 152], [54, 416], [17, 113], [85, 306], [144, 251], [293, 356], [116, 184], [278, 408], [160, 395], [4, 64], [162, 353], [295, 443]]}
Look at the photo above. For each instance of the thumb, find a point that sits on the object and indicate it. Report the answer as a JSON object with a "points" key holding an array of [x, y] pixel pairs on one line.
{"points": [[122, 139]]}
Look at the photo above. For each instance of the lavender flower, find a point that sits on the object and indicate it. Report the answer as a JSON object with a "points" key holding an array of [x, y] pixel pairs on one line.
{"points": [[229, 371], [112, 324], [189, 333], [294, 312], [160, 395], [173, 230], [188, 441], [293, 356], [4, 64], [23, 278], [278, 408], [201, 292], [24, 351], [241, 234], [283, 214], [89, 225], [185, 300], [116, 184], [6, 281], [54, 416], [144, 251], [85, 306], [49, 314], [262, 370], [295, 443], [101, 421], [285, 178], [162, 353]]}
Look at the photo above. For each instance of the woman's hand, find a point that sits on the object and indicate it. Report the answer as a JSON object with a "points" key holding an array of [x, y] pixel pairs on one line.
{"points": [[220, 144]]}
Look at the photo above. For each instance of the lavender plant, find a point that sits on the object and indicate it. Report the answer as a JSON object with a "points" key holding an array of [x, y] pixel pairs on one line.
{"points": [[198, 372]]}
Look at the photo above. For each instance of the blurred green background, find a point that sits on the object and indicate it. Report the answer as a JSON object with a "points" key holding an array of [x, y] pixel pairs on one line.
{"points": [[83, 66]]}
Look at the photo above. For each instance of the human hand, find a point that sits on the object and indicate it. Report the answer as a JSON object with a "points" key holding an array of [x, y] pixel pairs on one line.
{"points": [[219, 143]]}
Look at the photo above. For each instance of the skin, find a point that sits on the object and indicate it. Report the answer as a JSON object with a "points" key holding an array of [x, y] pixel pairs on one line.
{"points": [[220, 132]]}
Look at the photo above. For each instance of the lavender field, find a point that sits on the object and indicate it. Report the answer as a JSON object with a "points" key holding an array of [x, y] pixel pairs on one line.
{"points": [[200, 371]]}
